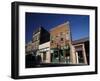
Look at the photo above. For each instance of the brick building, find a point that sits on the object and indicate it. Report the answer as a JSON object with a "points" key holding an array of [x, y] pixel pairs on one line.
{"points": [[60, 44]]}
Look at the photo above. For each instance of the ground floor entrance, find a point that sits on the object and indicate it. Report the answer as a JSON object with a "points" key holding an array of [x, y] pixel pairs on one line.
{"points": [[60, 56], [80, 54]]}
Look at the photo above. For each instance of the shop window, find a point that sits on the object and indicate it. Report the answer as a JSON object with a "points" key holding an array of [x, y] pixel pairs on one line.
{"points": [[67, 56], [56, 54], [56, 36], [61, 52]]}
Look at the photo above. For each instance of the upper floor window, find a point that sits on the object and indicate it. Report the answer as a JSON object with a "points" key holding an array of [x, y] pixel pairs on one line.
{"points": [[52, 41], [67, 36], [62, 39]]}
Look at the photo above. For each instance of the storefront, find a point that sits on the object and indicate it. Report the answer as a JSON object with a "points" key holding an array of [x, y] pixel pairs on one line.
{"points": [[82, 50], [44, 51], [80, 54], [61, 55]]}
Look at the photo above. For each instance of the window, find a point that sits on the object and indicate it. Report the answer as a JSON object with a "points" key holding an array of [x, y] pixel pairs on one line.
{"points": [[56, 36], [61, 52], [67, 32], [62, 39], [67, 56], [67, 36], [51, 41], [80, 58], [56, 54], [61, 33]]}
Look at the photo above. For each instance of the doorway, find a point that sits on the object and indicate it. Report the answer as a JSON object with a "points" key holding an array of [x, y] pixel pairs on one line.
{"points": [[79, 57]]}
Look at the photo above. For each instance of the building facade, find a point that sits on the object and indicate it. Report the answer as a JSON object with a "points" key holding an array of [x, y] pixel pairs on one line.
{"points": [[60, 44], [81, 50]]}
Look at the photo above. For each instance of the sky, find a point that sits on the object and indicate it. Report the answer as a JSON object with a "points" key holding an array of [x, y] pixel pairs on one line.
{"points": [[79, 24]]}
